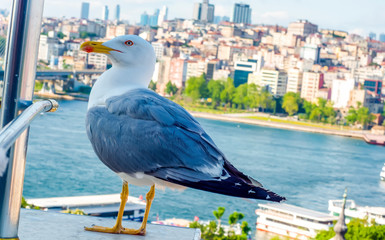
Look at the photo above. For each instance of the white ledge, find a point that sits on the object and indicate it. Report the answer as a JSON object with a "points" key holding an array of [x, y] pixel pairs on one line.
{"points": [[37, 224]]}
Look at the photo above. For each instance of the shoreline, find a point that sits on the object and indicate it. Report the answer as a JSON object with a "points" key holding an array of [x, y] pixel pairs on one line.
{"points": [[234, 118], [287, 126]]}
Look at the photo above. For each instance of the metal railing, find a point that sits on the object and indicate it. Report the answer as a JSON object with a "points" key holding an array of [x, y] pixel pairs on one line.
{"points": [[19, 80], [11, 193]]}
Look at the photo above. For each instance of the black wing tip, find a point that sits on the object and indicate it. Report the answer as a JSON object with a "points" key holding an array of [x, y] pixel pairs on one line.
{"points": [[271, 196]]}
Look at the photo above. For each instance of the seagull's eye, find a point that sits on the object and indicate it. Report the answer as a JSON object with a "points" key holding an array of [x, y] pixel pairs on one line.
{"points": [[129, 43]]}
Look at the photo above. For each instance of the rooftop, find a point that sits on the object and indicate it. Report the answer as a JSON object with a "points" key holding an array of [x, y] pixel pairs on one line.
{"points": [[37, 224]]}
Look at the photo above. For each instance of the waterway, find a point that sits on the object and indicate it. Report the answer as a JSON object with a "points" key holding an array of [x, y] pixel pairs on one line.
{"points": [[307, 168]]}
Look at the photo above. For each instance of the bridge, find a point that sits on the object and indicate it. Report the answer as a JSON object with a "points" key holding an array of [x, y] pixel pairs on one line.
{"points": [[61, 74]]}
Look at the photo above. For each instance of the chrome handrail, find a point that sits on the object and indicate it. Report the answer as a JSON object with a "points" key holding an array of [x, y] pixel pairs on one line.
{"points": [[10, 207], [12, 130], [19, 80]]}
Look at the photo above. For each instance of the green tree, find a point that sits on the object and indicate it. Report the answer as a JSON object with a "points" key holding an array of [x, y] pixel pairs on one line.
{"points": [[218, 215], [171, 88], [61, 35], [253, 93], [364, 117], [196, 87], [291, 103], [227, 94], [266, 101], [351, 118], [152, 85], [357, 229], [241, 96], [215, 87]]}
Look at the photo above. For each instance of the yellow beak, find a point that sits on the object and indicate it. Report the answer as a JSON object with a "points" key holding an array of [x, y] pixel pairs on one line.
{"points": [[96, 47]]}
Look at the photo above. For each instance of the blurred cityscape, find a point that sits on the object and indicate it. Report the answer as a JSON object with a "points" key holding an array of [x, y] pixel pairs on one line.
{"points": [[344, 69]]}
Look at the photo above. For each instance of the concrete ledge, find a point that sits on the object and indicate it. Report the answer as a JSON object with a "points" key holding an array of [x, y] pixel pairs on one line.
{"points": [[37, 224]]}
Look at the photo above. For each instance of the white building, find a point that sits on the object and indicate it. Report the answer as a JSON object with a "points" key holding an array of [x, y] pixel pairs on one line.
{"points": [[311, 82], [159, 49], [49, 47], [341, 89], [98, 61], [294, 80], [274, 79]]}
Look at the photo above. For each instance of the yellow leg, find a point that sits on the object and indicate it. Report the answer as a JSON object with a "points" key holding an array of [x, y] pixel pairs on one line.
{"points": [[118, 226]]}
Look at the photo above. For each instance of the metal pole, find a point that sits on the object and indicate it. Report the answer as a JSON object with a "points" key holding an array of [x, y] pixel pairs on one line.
{"points": [[19, 78]]}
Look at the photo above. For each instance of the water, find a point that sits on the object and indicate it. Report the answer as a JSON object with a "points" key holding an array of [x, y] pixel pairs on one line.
{"points": [[307, 168]]}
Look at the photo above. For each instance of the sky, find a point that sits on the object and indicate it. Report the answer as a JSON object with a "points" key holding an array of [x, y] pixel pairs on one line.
{"points": [[354, 16]]}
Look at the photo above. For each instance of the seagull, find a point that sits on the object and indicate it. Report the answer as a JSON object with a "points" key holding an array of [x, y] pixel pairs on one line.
{"points": [[148, 140]]}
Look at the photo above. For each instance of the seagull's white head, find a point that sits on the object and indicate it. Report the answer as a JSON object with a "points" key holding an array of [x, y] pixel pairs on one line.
{"points": [[133, 63], [124, 51]]}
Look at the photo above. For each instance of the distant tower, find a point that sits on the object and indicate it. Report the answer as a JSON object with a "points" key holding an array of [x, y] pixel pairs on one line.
{"points": [[144, 19], [197, 11], [85, 10], [372, 36], [340, 228], [242, 13], [105, 13], [162, 15], [204, 12], [382, 37], [117, 12], [154, 18]]}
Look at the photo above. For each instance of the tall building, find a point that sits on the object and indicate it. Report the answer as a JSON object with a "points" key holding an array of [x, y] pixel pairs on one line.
{"points": [[162, 15], [294, 80], [105, 13], [302, 28], [382, 37], [310, 52], [242, 13], [242, 69], [85, 10], [144, 19], [204, 12], [341, 89], [372, 36], [311, 83], [117, 12], [153, 19]]}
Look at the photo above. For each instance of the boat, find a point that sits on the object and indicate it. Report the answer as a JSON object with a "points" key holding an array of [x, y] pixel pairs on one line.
{"points": [[292, 221], [352, 210], [94, 205], [382, 173], [375, 139]]}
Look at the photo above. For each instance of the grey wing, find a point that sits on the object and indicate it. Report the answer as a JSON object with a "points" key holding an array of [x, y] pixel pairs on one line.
{"points": [[141, 131]]}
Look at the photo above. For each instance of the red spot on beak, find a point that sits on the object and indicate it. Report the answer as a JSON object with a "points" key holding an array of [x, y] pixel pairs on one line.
{"points": [[88, 49]]}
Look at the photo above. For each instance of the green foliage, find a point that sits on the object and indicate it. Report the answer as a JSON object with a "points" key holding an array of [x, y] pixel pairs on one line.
{"points": [[74, 211], [196, 87], [321, 112], [2, 45], [61, 35], [240, 96], [38, 86], [24, 204], [360, 115], [219, 213], [235, 217], [171, 88], [227, 94], [291, 102], [213, 231], [152, 85], [215, 88], [357, 229], [84, 35]]}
